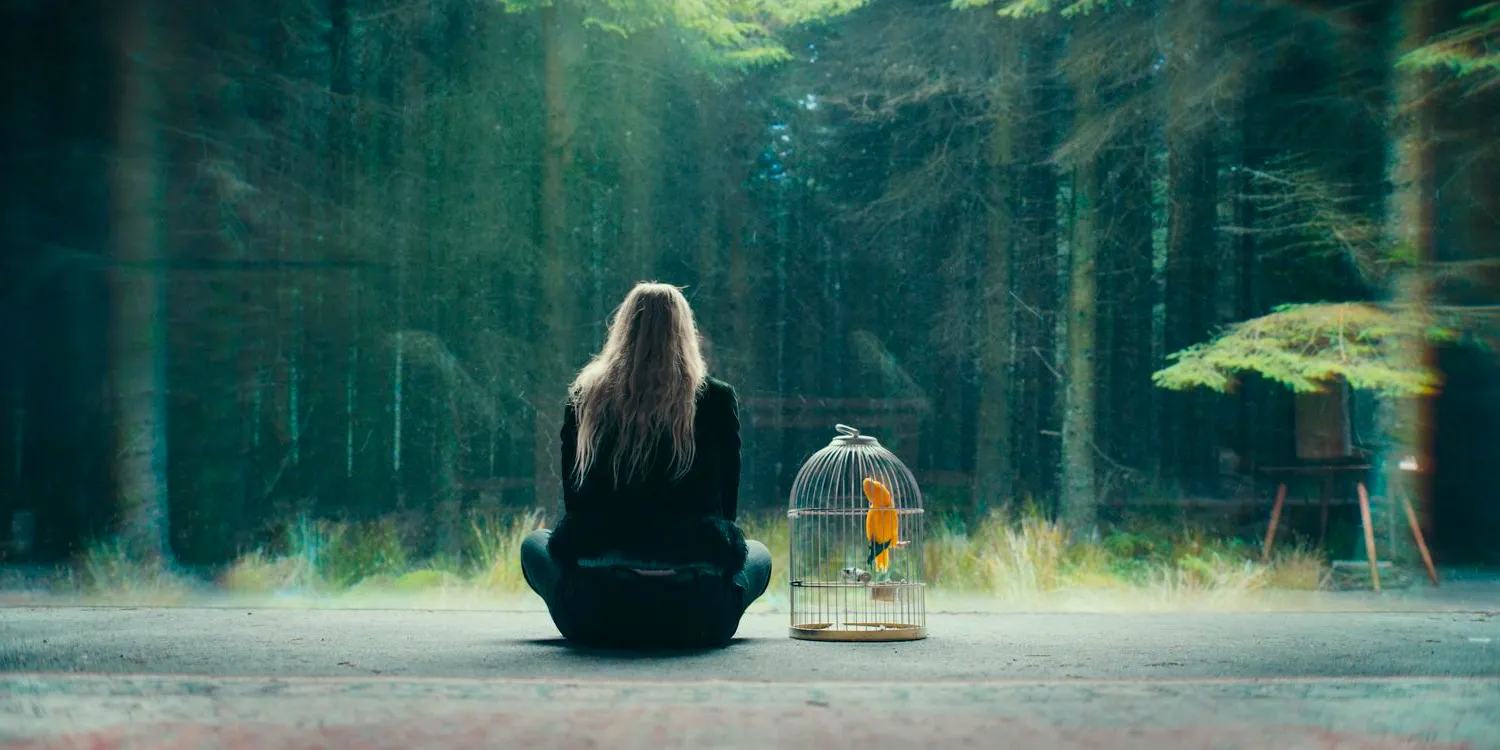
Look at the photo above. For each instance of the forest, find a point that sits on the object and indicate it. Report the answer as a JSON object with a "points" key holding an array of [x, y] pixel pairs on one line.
{"points": [[275, 265]]}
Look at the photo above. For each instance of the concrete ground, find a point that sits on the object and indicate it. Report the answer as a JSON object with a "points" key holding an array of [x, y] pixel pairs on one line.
{"points": [[237, 677]]}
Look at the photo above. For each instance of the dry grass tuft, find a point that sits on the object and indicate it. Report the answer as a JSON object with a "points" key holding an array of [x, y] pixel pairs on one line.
{"points": [[497, 543], [107, 573]]}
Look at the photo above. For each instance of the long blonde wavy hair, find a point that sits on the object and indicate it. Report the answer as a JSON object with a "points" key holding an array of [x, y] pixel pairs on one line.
{"points": [[642, 385]]}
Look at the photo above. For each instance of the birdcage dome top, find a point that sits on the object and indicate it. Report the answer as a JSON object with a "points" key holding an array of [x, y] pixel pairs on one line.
{"points": [[833, 478]]}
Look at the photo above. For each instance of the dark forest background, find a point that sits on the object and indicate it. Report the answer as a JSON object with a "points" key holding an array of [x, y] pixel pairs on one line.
{"points": [[340, 257]]}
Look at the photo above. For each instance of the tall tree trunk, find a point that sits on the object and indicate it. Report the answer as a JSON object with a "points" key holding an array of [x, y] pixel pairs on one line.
{"points": [[259, 313], [1120, 218], [994, 480], [138, 326], [1251, 403], [1128, 251], [708, 258], [209, 314], [1407, 423], [410, 154], [741, 320], [341, 143], [1188, 447], [1078, 500], [434, 80], [558, 302], [813, 309], [640, 123], [496, 35], [1036, 282], [736, 353], [15, 138]]}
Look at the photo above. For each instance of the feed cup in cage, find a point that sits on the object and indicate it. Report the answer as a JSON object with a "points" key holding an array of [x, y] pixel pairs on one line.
{"points": [[855, 521]]}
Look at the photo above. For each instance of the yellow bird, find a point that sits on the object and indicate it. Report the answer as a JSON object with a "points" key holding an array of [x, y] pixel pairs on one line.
{"points": [[881, 524]]}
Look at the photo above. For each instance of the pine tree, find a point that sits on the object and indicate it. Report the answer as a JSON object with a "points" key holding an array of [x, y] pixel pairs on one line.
{"points": [[138, 323]]}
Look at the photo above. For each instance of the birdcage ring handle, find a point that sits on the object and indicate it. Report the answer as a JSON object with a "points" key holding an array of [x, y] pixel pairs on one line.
{"points": [[846, 430]]}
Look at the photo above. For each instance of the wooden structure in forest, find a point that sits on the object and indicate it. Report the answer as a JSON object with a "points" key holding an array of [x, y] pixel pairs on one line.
{"points": [[1321, 352], [1325, 450], [1322, 424]]}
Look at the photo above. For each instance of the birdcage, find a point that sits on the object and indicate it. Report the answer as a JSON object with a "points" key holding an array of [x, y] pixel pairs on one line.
{"points": [[855, 522]]}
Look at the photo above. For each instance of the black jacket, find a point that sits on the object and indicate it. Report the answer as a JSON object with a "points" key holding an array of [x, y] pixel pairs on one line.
{"points": [[654, 517]]}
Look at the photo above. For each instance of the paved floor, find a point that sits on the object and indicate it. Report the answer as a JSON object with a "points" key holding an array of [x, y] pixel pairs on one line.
{"points": [[337, 643], [107, 678]]}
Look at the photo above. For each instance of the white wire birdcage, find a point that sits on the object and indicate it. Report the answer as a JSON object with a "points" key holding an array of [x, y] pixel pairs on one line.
{"points": [[855, 523]]}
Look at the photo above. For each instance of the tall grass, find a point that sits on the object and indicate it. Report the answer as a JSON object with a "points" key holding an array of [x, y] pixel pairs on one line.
{"points": [[1016, 556], [772, 531], [108, 572], [497, 545], [1025, 554], [1002, 557]]}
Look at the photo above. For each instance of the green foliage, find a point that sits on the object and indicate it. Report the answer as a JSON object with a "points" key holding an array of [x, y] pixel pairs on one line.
{"points": [[719, 33], [1471, 50], [1305, 347], [1029, 8], [363, 550]]}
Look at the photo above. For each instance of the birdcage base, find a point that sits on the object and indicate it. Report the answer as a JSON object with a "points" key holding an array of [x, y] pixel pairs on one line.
{"points": [[858, 631]]}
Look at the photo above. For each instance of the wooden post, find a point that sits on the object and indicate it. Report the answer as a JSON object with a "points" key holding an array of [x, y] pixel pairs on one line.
{"points": [[1416, 530], [1325, 490], [1265, 551], [1364, 517]]}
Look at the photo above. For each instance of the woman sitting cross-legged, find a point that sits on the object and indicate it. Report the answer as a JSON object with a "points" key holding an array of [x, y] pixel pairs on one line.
{"points": [[647, 553]]}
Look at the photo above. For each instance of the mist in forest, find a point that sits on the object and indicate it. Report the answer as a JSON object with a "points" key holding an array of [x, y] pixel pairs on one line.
{"points": [[291, 292]]}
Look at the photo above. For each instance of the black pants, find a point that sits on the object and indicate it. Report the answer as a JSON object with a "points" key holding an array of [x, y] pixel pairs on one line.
{"points": [[610, 608]]}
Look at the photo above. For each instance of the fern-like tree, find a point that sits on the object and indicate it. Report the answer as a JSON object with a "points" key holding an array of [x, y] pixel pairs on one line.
{"points": [[1310, 347], [1471, 50]]}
